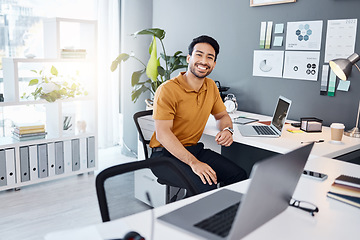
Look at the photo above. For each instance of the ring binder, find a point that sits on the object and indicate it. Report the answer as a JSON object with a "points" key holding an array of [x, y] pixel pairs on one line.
{"points": [[59, 158], [42, 160], [75, 150], [3, 175], [10, 166], [33, 161], [24, 164]]}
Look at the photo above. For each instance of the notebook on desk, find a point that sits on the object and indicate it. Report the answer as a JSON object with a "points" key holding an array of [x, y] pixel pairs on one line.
{"points": [[277, 122], [273, 182]]}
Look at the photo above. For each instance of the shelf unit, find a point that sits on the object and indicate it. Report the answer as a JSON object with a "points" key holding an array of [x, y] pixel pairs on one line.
{"points": [[66, 153]]}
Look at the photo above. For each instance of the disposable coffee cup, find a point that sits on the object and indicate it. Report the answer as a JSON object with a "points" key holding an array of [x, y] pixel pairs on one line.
{"points": [[337, 131]]}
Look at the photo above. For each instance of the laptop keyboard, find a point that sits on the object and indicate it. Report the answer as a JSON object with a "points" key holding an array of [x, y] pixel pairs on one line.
{"points": [[264, 130], [221, 222]]}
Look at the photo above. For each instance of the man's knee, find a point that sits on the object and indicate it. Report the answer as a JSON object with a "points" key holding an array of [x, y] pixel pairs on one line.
{"points": [[239, 176]]}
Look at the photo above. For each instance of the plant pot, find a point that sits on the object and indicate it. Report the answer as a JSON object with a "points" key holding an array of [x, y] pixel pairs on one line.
{"points": [[149, 104]]}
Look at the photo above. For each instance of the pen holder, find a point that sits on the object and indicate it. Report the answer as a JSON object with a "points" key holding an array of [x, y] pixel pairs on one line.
{"points": [[311, 124]]}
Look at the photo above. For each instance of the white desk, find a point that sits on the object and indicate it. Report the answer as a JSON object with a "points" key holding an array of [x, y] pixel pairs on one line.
{"points": [[289, 141], [335, 220], [146, 181]]}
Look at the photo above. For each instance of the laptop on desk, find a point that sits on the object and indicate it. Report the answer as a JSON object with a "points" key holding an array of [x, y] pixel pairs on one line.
{"points": [[277, 122], [273, 182]]}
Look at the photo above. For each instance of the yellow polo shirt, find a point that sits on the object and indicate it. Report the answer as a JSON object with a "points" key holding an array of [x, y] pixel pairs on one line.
{"points": [[189, 109]]}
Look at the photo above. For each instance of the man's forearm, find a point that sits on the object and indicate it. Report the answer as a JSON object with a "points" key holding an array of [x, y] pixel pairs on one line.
{"points": [[174, 146], [223, 122]]}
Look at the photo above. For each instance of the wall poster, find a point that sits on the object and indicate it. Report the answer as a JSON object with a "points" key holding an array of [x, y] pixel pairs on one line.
{"points": [[268, 63], [304, 35], [340, 38], [301, 65]]}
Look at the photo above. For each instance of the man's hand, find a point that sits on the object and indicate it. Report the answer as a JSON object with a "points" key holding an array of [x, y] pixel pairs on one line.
{"points": [[167, 138], [204, 171], [223, 120], [224, 138]]}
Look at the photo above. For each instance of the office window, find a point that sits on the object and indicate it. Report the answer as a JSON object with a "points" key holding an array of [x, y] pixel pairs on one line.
{"points": [[21, 33]]}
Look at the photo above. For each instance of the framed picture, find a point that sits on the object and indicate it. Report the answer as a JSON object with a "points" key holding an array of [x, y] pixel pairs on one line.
{"points": [[68, 124], [254, 3]]}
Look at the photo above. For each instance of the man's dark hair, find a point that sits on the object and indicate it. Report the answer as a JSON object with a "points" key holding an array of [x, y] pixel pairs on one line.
{"points": [[205, 39]]}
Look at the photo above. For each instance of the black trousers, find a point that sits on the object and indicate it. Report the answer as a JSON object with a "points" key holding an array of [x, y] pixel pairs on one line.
{"points": [[227, 172]]}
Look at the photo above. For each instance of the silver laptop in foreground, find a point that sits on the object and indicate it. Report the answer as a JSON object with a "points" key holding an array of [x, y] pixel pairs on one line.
{"points": [[273, 182], [277, 122]]}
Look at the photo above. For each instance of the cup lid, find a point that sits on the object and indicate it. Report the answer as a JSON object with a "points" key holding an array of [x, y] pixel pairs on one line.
{"points": [[337, 125]]}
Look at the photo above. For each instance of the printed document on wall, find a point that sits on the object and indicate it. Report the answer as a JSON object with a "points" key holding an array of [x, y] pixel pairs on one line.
{"points": [[340, 39], [268, 63], [304, 35], [301, 65]]}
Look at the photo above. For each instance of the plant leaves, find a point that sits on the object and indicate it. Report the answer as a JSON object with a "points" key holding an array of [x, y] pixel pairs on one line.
{"points": [[172, 60], [33, 82], [135, 78], [163, 57], [177, 53], [114, 65], [38, 90], [122, 57], [183, 60], [167, 74], [154, 71], [54, 71], [136, 93], [62, 91], [153, 63], [151, 47], [161, 71], [179, 67], [156, 32], [155, 85]]}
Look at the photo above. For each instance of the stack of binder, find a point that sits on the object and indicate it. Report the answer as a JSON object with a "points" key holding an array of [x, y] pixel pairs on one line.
{"points": [[346, 189], [29, 131]]}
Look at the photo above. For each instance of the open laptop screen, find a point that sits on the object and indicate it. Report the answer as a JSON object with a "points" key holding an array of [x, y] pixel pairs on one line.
{"points": [[280, 114]]}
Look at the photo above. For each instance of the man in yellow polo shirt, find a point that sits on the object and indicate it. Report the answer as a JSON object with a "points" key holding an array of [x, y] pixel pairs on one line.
{"points": [[182, 106]]}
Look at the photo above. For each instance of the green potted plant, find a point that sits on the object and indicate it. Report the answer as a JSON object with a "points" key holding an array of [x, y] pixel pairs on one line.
{"points": [[52, 86], [156, 74]]}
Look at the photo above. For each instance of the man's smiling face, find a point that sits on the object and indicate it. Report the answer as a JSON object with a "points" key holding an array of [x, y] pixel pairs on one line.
{"points": [[202, 60]]}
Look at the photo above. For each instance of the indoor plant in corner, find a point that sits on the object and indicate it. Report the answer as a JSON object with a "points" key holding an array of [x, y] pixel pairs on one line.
{"points": [[155, 73]]}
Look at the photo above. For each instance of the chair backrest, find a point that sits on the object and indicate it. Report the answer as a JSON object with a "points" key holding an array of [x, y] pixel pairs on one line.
{"points": [[145, 126], [104, 183]]}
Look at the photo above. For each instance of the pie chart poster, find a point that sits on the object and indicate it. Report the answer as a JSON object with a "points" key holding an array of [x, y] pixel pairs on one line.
{"points": [[268, 63]]}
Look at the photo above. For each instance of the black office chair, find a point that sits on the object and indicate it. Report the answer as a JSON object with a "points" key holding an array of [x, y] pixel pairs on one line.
{"points": [[145, 126], [109, 193]]}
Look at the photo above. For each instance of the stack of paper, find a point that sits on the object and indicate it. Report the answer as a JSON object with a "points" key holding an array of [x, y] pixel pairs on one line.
{"points": [[29, 131], [73, 53]]}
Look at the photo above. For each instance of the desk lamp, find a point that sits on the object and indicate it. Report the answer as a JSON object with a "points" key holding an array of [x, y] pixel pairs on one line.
{"points": [[342, 68]]}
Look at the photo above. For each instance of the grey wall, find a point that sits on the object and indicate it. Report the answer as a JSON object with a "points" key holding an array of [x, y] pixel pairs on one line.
{"points": [[236, 26]]}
